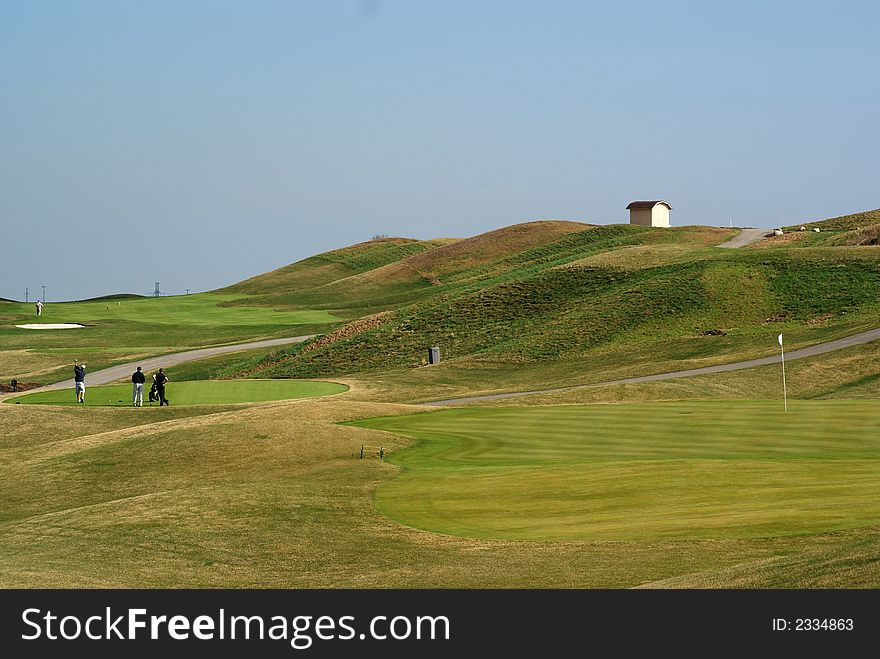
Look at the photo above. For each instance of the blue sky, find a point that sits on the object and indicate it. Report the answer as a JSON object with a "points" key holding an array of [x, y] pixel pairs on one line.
{"points": [[198, 142]]}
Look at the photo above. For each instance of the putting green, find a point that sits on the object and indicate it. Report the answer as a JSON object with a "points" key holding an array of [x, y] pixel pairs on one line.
{"points": [[202, 392], [714, 469]]}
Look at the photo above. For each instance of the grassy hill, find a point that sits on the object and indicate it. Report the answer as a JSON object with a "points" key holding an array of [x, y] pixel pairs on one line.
{"points": [[549, 490], [855, 229], [530, 305], [332, 266], [392, 272], [314, 295], [533, 301], [843, 222], [540, 302]]}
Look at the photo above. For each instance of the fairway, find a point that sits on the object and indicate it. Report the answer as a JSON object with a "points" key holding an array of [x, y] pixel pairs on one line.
{"points": [[202, 392], [197, 309], [114, 331], [712, 469]]}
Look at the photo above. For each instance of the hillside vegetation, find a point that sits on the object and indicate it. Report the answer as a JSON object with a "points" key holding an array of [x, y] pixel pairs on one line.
{"points": [[392, 272], [538, 303], [843, 222], [856, 229], [331, 266], [540, 299]]}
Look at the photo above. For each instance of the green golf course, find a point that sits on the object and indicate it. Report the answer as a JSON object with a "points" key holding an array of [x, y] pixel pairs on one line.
{"points": [[121, 329], [690, 482], [710, 469], [198, 309], [202, 392]]}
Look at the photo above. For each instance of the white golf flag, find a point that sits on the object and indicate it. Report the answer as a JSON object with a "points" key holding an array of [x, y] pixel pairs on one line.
{"points": [[780, 339]]}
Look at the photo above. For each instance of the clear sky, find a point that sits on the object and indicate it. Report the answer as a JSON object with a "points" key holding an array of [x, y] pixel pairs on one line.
{"points": [[198, 142]]}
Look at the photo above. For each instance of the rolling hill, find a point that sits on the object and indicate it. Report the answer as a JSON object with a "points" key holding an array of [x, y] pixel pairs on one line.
{"points": [[843, 222], [544, 302], [548, 490], [390, 272]]}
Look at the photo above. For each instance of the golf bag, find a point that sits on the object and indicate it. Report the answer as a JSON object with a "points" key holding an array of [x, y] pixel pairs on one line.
{"points": [[154, 396]]}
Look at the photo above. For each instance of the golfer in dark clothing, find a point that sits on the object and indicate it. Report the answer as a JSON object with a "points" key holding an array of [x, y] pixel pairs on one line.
{"points": [[79, 379], [161, 379], [137, 388]]}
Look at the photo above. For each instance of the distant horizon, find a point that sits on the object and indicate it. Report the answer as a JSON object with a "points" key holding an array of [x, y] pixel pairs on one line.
{"points": [[197, 144]]}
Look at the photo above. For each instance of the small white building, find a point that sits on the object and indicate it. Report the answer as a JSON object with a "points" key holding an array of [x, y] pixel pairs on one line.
{"points": [[649, 213]]}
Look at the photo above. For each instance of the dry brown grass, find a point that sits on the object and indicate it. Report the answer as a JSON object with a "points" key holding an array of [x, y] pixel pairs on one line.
{"points": [[350, 249], [869, 235], [635, 258], [827, 561], [843, 222], [491, 246], [455, 256], [848, 373], [699, 235], [271, 495], [300, 275], [779, 241], [23, 364], [33, 366]]}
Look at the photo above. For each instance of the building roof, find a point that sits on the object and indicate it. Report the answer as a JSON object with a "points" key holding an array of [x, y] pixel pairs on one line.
{"points": [[647, 204]]}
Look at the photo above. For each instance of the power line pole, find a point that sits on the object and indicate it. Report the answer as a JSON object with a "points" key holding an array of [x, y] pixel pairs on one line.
{"points": [[44, 295], [26, 291], [156, 292], [187, 291]]}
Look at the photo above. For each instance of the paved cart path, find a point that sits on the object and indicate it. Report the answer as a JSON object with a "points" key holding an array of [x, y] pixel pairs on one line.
{"points": [[114, 373], [745, 237], [809, 351]]}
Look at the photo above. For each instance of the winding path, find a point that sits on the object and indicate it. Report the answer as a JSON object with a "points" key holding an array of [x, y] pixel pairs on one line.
{"points": [[745, 237], [809, 351], [114, 373]]}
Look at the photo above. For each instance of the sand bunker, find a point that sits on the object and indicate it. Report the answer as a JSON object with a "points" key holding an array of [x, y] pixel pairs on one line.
{"points": [[50, 326]]}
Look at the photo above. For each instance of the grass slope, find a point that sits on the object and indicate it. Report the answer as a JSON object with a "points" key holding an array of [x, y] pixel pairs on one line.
{"points": [[550, 303], [721, 304], [368, 285], [272, 495], [331, 266], [843, 222], [637, 472]]}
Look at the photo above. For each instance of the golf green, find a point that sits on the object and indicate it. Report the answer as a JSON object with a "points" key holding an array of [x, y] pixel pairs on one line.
{"points": [[711, 469], [201, 392]]}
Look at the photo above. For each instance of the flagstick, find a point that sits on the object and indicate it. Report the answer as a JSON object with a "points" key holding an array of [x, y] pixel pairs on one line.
{"points": [[784, 391]]}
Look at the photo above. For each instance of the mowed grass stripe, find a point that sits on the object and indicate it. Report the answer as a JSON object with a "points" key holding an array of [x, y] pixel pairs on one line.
{"points": [[639, 500], [200, 392], [709, 469], [659, 430]]}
